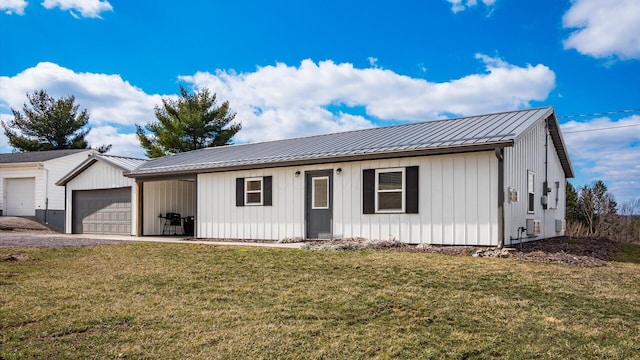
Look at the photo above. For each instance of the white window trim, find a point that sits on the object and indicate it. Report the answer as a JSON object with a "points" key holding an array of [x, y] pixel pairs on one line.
{"points": [[247, 191], [403, 190], [313, 193], [531, 190]]}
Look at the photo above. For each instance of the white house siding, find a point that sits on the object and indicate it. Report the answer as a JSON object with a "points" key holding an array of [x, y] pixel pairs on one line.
{"points": [[457, 205], [161, 197], [55, 170], [46, 174], [528, 153], [100, 175]]}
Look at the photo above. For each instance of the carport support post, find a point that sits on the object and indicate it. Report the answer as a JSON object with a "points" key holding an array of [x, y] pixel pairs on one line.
{"points": [[139, 189]]}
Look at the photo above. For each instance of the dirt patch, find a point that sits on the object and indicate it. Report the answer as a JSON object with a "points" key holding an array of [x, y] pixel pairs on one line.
{"points": [[15, 257], [21, 224], [573, 251]]}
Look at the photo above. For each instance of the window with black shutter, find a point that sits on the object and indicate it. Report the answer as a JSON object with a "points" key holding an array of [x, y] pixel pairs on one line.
{"points": [[254, 191], [393, 190]]}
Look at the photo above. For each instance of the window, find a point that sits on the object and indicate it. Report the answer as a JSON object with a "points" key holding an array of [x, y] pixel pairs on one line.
{"points": [[320, 193], [390, 190], [254, 191], [530, 191]]}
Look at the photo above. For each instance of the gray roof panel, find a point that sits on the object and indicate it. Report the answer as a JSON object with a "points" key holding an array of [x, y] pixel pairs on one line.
{"points": [[451, 135], [125, 163], [36, 156]]}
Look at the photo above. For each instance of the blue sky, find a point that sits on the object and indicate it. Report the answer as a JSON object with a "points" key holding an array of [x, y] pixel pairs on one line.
{"points": [[290, 68]]}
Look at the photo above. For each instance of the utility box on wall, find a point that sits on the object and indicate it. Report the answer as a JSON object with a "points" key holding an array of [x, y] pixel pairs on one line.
{"points": [[533, 227], [561, 225]]}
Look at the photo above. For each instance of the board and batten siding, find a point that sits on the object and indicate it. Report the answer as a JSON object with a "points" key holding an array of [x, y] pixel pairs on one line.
{"points": [[57, 168], [457, 203], [98, 176], [528, 154], [161, 197]]}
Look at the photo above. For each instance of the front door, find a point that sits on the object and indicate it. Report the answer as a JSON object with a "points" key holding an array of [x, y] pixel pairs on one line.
{"points": [[319, 204]]}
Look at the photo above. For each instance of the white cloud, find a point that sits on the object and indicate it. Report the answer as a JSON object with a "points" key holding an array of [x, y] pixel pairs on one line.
{"points": [[109, 99], [87, 8], [611, 155], [605, 28], [13, 6], [461, 5], [122, 144], [282, 101]]}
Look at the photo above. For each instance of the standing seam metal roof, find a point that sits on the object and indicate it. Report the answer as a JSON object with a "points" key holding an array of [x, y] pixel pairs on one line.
{"points": [[124, 163], [440, 135], [37, 156]]}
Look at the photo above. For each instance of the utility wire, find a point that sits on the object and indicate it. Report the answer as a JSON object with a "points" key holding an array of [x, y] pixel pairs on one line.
{"points": [[599, 129], [599, 113]]}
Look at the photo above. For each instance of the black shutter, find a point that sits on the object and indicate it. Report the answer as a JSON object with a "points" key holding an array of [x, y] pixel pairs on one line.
{"points": [[239, 191], [267, 183], [368, 191], [411, 192]]}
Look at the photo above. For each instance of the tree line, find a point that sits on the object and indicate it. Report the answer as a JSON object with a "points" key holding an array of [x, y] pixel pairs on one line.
{"points": [[592, 211], [192, 121]]}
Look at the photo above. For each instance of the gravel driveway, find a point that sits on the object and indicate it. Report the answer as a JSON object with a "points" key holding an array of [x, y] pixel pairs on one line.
{"points": [[19, 231], [36, 238]]}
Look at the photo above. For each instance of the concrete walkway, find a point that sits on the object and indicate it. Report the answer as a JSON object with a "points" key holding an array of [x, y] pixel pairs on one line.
{"points": [[171, 240]]}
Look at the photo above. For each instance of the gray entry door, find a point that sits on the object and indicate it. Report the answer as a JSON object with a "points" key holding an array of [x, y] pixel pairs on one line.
{"points": [[106, 211], [319, 203]]}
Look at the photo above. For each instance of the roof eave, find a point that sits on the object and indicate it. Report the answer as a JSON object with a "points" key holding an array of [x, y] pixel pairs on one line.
{"points": [[324, 160]]}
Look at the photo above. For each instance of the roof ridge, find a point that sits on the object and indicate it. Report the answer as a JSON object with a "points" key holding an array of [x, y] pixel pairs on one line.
{"points": [[378, 127], [121, 157]]}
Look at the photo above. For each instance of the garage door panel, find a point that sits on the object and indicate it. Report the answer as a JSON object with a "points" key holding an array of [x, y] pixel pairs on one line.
{"points": [[106, 211], [21, 198]]}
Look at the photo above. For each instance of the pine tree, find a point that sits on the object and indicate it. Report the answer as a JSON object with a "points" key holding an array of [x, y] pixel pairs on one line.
{"points": [[193, 121], [48, 124]]}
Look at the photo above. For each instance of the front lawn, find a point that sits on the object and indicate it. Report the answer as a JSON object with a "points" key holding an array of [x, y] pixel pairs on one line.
{"points": [[142, 300]]}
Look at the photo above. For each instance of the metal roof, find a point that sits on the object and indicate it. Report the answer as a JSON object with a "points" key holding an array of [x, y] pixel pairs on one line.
{"points": [[482, 132], [37, 156], [124, 163]]}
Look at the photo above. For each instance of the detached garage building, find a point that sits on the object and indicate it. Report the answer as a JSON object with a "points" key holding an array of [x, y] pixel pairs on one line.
{"points": [[99, 198], [27, 183]]}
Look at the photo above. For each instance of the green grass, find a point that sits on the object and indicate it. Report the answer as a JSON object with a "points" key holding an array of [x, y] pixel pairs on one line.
{"points": [[628, 253], [198, 301]]}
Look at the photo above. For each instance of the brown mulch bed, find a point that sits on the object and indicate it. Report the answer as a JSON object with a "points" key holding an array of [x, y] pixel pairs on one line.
{"points": [[573, 251]]}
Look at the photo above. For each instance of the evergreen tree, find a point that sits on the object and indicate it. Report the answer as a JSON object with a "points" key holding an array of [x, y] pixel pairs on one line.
{"points": [[572, 202], [193, 121], [48, 124]]}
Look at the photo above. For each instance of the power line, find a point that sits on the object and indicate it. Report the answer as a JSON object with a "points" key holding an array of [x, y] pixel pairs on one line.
{"points": [[599, 113], [599, 129]]}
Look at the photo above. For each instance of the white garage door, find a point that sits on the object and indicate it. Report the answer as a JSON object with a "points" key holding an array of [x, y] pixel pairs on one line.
{"points": [[21, 196], [102, 211]]}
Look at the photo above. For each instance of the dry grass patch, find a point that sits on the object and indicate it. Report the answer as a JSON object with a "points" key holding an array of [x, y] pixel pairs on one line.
{"points": [[199, 301]]}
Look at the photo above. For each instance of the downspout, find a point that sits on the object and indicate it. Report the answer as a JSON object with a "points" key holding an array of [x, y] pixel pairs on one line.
{"points": [[545, 191], [46, 197], [501, 231]]}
